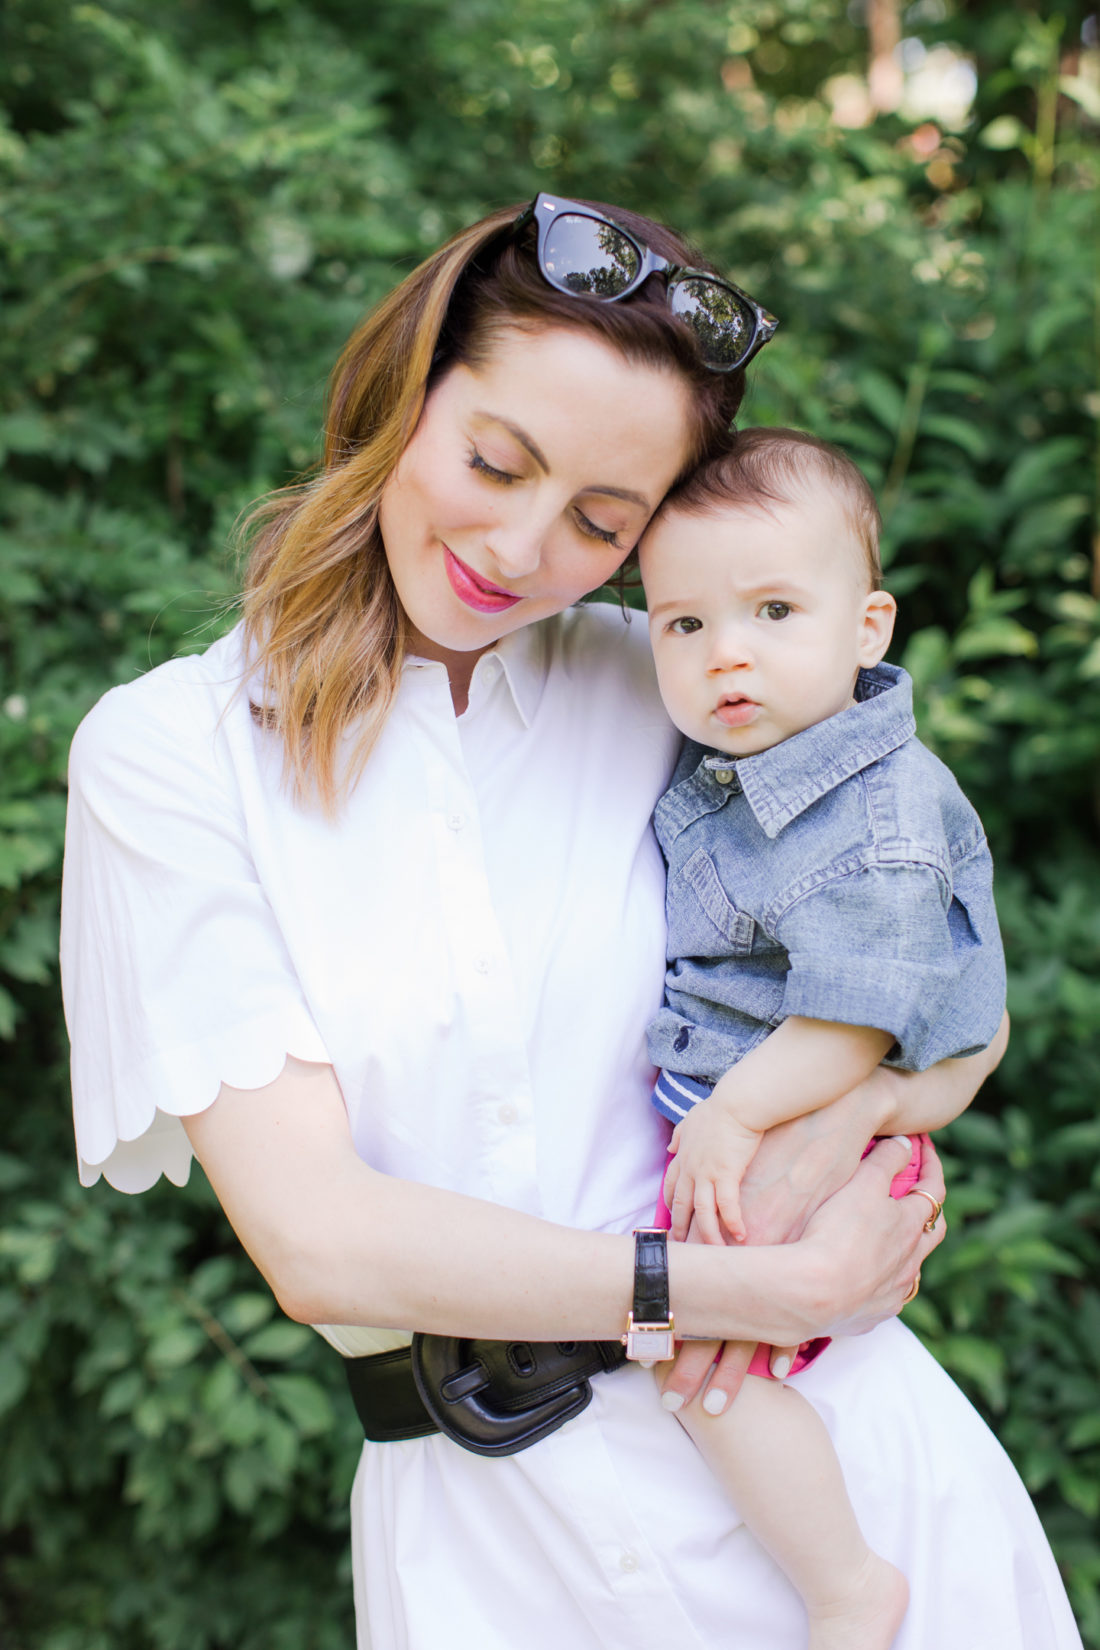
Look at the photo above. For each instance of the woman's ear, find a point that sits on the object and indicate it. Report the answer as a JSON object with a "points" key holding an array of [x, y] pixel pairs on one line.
{"points": [[876, 626]]}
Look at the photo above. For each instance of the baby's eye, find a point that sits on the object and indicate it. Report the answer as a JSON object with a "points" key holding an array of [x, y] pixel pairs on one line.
{"points": [[686, 626], [489, 471], [776, 610]]}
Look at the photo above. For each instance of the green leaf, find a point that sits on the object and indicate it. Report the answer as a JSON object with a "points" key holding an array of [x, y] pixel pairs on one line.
{"points": [[960, 432], [278, 1341], [1084, 1432], [977, 1360], [14, 1380], [245, 1312], [305, 1402], [996, 637], [883, 397], [177, 1346]]}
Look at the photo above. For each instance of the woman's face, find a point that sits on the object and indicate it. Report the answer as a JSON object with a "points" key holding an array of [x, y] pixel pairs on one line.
{"points": [[526, 483]]}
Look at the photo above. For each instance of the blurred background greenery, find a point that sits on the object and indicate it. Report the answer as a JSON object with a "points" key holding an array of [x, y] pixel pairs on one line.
{"points": [[197, 202]]}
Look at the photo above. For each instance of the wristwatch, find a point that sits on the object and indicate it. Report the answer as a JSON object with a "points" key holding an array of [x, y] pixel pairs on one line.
{"points": [[649, 1334]]}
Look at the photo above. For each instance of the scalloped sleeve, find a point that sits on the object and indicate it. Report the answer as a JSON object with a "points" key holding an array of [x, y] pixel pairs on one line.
{"points": [[176, 976]]}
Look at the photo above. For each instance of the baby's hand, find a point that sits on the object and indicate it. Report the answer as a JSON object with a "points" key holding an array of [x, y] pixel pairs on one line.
{"points": [[713, 1150]]}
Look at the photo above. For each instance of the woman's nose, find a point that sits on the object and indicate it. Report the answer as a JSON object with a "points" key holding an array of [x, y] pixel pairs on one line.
{"points": [[516, 545]]}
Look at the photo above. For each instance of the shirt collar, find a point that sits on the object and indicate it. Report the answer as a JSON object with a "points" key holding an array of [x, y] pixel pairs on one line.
{"points": [[781, 783], [524, 655], [520, 660]]}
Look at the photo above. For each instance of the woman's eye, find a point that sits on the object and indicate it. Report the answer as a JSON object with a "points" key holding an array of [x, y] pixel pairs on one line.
{"points": [[776, 610], [480, 466], [605, 535], [686, 626]]}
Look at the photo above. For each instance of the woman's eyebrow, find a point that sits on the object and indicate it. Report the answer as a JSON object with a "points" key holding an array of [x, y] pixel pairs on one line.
{"points": [[520, 434], [536, 452], [623, 493]]}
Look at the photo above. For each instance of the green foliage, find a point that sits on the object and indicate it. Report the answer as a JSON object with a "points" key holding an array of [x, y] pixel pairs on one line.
{"points": [[198, 202]]}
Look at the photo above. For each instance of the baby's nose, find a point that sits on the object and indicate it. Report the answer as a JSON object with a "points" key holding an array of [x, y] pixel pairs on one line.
{"points": [[729, 651]]}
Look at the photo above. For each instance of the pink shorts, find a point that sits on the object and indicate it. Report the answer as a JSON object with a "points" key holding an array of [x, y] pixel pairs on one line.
{"points": [[902, 1182]]}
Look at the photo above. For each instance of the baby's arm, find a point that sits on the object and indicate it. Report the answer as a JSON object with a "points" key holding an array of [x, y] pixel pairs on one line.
{"points": [[803, 1065]]}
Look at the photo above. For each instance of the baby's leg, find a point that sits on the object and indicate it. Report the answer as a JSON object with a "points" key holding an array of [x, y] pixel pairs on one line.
{"points": [[771, 1451]]}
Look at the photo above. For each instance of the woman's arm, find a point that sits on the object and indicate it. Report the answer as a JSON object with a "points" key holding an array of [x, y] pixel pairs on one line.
{"points": [[803, 1162], [340, 1243]]}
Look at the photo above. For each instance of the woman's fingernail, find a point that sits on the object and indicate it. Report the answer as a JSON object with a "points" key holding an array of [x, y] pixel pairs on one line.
{"points": [[647, 1363], [781, 1367], [903, 1140], [672, 1401], [714, 1402]]}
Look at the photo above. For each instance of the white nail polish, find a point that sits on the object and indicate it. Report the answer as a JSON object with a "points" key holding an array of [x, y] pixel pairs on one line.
{"points": [[647, 1363], [672, 1401], [903, 1140], [714, 1402], [781, 1367]]}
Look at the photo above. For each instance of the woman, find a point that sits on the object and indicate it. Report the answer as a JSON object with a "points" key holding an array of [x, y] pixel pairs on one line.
{"points": [[362, 906]]}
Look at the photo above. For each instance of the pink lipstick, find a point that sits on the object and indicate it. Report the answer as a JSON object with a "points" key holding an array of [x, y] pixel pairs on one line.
{"points": [[475, 591]]}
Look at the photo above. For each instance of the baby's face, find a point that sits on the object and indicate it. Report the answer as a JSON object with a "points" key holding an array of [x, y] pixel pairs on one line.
{"points": [[760, 620]]}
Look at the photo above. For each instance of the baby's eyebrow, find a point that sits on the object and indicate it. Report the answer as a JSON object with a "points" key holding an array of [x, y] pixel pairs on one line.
{"points": [[780, 589]]}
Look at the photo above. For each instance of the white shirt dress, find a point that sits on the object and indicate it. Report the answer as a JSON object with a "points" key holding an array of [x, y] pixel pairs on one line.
{"points": [[476, 945]]}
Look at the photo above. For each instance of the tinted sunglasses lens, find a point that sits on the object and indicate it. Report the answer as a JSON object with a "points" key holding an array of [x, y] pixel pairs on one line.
{"points": [[583, 255], [723, 323]]}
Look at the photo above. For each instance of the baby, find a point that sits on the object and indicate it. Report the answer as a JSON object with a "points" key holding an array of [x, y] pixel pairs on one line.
{"points": [[829, 908]]}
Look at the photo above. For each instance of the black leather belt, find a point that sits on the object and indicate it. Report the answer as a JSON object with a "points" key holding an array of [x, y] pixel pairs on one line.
{"points": [[492, 1397]]}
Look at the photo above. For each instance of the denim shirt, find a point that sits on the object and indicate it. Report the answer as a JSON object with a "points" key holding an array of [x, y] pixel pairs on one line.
{"points": [[840, 875]]}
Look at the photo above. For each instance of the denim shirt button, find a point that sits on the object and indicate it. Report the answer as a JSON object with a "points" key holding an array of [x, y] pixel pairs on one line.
{"points": [[723, 775]]}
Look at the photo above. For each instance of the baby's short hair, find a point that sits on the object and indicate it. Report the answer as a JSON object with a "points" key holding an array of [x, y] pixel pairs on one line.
{"points": [[781, 466]]}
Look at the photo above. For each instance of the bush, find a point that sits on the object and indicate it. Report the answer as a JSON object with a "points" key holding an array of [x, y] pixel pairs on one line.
{"points": [[199, 202]]}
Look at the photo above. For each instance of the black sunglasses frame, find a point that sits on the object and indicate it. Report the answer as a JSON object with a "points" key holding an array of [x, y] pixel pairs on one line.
{"points": [[545, 209]]}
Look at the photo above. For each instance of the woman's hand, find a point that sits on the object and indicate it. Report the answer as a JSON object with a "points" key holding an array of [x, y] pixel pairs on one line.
{"points": [[797, 1166], [869, 1247], [800, 1164], [854, 1267]]}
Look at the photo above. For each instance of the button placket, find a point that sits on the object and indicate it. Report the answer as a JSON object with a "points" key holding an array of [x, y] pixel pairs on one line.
{"points": [[501, 1119]]}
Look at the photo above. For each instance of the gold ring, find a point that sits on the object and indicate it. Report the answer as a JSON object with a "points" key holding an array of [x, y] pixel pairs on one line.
{"points": [[937, 1208], [912, 1295]]}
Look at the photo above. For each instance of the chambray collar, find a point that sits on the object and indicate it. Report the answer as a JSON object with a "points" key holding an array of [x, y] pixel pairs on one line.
{"points": [[781, 783]]}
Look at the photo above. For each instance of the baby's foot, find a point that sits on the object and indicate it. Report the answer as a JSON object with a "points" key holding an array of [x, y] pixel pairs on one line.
{"points": [[867, 1616]]}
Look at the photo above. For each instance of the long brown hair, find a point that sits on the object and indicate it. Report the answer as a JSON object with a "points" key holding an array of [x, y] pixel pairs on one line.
{"points": [[323, 626]]}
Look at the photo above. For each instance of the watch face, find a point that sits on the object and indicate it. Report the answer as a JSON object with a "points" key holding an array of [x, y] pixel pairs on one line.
{"points": [[655, 1345]]}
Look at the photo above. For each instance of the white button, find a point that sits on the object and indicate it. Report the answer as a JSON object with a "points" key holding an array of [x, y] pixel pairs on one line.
{"points": [[628, 1561], [489, 669], [507, 1113], [456, 821], [723, 775], [482, 965]]}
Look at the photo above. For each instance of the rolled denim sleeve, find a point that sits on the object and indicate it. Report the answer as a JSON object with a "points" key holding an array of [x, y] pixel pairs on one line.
{"points": [[923, 959]]}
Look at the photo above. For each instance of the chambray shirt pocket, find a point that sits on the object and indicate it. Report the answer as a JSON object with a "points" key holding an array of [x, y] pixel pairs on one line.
{"points": [[709, 925], [920, 961]]}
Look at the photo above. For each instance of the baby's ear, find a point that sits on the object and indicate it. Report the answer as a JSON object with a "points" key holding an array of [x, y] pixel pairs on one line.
{"points": [[876, 626]]}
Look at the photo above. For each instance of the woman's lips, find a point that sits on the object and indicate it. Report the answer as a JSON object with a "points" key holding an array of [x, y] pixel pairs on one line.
{"points": [[475, 591], [735, 712]]}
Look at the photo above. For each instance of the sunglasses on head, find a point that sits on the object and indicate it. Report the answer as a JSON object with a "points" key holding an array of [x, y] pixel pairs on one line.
{"points": [[583, 253]]}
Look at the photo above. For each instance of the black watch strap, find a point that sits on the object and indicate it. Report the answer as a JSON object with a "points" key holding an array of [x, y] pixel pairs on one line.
{"points": [[649, 1330], [650, 1276]]}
